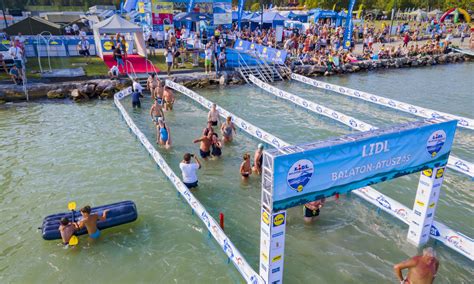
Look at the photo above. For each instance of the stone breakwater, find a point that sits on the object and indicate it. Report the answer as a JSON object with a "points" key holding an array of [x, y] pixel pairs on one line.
{"points": [[77, 91], [367, 65]]}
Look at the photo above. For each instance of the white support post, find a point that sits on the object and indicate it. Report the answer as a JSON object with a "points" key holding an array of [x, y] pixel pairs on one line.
{"points": [[424, 208], [272, 246]]}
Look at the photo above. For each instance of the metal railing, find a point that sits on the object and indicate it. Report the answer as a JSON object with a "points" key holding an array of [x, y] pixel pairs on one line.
{"points": [[127, 70], [243, 64], [24, 79], [46, 37], [152, 66]]}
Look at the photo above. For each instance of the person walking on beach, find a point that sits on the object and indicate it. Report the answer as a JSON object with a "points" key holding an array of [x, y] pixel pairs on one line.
{"points": [[258, 159], [245, 168], [421, 268], [168, 98], [169, 60], [156, 112], [228, 129], [83, 47], [213, 115], [205, 146], [90, 221], [312, 210], [189, 170], [163, 134], [406, 39]]}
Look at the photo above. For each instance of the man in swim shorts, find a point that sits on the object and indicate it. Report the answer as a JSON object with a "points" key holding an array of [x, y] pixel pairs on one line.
{"points": [[205, 146], [208, 130], [156, 112], [421, 268], [189, 170], [168, 98], [90, 221], [312, 209]]}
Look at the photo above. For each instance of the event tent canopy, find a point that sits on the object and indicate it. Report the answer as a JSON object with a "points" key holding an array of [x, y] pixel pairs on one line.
{"points": [[33, 26], [269, 18], [192, 17], [117, 24]]}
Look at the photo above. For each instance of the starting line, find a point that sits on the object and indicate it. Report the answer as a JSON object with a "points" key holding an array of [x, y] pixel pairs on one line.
{"points": [[440, 232], [213, 227], [454, 163], [463, 122]]}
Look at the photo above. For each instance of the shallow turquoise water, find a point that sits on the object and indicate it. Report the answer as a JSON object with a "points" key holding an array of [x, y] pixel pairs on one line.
{"points": [[56, 152]]}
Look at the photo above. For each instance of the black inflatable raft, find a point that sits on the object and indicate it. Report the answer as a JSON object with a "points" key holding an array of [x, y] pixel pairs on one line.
{"points": [[119, 213]]}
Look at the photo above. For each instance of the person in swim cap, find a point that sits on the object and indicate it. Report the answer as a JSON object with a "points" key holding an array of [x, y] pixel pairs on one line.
{"points": [[258, 159], [421, 268]]}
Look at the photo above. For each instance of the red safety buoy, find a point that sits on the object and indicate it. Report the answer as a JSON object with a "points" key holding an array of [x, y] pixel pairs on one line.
{"points": [[221, 219]]}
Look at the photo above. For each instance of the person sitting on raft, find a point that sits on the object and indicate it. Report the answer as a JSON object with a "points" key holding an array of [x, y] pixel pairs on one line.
{"points": [[90, 221], [66, 229]]}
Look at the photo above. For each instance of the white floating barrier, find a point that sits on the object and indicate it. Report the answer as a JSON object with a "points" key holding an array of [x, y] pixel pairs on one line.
{"points": [[213, 227], [454, 162], [439, 231], [415, 110]]}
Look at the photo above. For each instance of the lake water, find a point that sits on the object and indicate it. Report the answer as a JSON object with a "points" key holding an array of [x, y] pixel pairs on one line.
{"points": [[53, 153]]}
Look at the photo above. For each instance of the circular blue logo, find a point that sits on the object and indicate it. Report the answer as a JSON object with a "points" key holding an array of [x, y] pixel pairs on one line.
{"points": [[300, 174], [435, 142]]}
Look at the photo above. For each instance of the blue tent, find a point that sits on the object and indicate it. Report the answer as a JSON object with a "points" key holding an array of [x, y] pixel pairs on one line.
{"points": [[303, 17], [191, 17], [340, 16], [322, 14], [250, 16], [235, 15], [270, 18]]}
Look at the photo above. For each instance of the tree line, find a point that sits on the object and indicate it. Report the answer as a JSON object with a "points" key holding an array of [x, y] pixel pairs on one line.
{"points": [[385, 5]]}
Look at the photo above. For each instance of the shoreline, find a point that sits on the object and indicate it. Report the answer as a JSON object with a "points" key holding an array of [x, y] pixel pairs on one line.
{"points": [[93, 88]]}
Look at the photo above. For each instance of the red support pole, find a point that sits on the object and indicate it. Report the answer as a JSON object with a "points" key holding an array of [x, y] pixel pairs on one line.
{"points": [[221, 220]]}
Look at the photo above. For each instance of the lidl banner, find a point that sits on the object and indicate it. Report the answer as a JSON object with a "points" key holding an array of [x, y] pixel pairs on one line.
{"points": [[162, 12], [271, 54], [222, 13], [340, 165]]}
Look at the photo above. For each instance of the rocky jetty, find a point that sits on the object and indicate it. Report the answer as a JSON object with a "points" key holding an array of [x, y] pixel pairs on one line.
{"points": [[366, 65], [78, 91], [201, 80]]}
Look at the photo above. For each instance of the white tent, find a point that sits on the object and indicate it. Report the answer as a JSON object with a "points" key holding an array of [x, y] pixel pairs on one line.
{"points": [[117, 24]]}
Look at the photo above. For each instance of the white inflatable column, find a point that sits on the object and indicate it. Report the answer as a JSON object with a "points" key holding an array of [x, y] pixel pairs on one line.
{"points": [[272, 245], [424, 208]]}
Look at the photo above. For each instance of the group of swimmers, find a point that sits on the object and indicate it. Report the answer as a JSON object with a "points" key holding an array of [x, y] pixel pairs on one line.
{"points": [[164, 99], [67, 228]]}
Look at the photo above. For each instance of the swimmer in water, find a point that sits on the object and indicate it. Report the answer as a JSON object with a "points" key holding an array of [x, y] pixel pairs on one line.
{"points": [[168, 97], [421, 268], [245, 168], [213, 115], [216, 145], [228, 129], [163, 134], [90, 221], [158, 93], [208, 130], [312, 209], [67, 230], [204, 147], [156, 112], [258, 159], [152, 84]]}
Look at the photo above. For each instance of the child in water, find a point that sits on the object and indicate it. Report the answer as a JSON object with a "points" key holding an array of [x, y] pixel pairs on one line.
{"points": [[245, 168], [66, 229]]}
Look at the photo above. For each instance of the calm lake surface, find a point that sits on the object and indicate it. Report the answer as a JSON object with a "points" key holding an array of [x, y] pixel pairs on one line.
{"points": [[53, 153]]}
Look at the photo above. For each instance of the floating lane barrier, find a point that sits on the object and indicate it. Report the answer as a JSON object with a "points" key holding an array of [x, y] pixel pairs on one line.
{"points": [[439, 231], [212, 226], [415, 110], [454, 163], [244, 125]]}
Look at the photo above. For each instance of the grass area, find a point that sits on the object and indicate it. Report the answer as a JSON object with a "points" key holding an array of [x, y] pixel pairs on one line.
{"points": [[96, 66]]}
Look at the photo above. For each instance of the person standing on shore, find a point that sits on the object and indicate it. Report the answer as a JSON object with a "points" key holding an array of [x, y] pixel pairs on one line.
{"points": [[169, 60], [421, 268]]}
